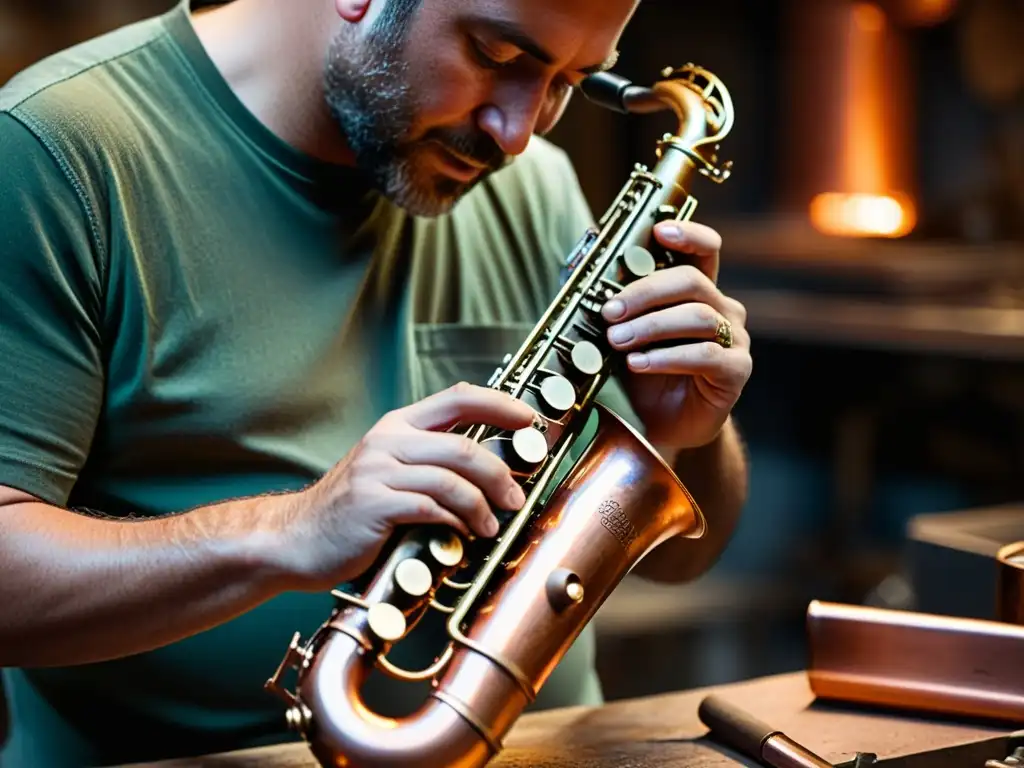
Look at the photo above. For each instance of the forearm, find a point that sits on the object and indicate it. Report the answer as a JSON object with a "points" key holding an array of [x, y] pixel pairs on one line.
{"points": [[77, 589], [716, 475]]}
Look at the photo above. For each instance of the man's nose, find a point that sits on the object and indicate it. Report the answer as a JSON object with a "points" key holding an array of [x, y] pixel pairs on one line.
{"points": [[518, 112]]}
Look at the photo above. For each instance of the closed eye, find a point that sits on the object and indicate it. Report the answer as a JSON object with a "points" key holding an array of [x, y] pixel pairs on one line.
{"points": [[489, 58]]}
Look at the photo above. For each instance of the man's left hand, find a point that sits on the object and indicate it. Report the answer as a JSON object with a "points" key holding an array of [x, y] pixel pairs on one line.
{"points": [[683, 392]]}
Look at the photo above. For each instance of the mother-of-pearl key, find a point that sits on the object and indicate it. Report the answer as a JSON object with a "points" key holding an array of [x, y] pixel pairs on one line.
{"points": [[386, 622], [586, 357], [413, 577], [446, 549], [639, 261], [558, 395], [530, 446]]}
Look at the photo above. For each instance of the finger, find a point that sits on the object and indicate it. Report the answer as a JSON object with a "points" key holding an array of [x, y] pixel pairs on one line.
{"points": [[452, 492], [698, 240], [676, 285], [418, 509], [683, 321], [470, 404], [726, 367], [481, 467], [735, 311]]}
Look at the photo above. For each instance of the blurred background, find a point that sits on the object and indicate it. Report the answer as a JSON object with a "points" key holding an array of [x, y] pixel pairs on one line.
{"points": [[873, 227]]}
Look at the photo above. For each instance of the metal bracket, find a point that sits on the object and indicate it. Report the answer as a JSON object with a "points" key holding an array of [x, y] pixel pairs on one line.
{"points": [[296, 656]]}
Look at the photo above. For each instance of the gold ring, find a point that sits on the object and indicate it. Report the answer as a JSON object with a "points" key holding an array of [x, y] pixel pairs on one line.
{"points": [[723, 333]]}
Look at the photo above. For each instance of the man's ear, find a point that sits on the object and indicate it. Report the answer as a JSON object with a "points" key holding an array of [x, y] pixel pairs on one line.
{"points": [[352, 10]]}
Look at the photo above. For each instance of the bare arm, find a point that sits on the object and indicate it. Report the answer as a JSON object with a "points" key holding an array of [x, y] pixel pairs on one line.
{"points": [[77, 589], [716, 476]]}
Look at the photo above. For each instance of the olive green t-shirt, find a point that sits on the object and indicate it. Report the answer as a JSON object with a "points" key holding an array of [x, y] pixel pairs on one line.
{"points": [[193, 311]]}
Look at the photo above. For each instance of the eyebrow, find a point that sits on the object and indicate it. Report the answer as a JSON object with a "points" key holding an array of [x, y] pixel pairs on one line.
{"points": [[515, 35]]}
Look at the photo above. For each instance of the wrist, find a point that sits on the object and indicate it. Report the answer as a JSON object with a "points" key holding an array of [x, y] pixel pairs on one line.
{"points": [[257, 544], [673, 448]]}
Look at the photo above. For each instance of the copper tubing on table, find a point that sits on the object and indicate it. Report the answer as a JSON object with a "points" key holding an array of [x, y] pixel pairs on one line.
{"points": [[915, 661]]}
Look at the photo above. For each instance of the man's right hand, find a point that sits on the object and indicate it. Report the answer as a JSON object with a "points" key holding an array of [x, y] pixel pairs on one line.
{"points": [[217, 562], [407, 469]]}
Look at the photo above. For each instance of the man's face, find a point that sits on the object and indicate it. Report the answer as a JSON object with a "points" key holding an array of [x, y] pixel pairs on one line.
{"points": [[434, 96]]}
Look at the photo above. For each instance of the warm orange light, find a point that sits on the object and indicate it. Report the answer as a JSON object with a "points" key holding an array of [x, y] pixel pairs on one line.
{"points": [[926, 12], [863, 215], [866, 204]]}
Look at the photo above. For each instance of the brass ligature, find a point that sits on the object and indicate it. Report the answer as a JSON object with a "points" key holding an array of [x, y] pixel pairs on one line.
{"points": [[520, 600]]}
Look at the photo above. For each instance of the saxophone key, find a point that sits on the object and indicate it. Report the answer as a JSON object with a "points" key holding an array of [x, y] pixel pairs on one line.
{"points": [[495, 376], [666, 213], [639, 261], [558, 396], [447, 550], [413, 577], [530, 447], [587, 358], [386, 622]]}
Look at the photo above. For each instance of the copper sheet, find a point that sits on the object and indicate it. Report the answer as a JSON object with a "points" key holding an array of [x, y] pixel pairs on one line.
{"points": [[916, 661]]}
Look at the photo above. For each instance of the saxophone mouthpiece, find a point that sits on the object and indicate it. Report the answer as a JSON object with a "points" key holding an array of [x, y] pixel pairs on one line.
{"points": [[618, 94]]}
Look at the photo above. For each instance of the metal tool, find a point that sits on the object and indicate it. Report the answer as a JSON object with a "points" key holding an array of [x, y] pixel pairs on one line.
{"points": [[746, 734]]}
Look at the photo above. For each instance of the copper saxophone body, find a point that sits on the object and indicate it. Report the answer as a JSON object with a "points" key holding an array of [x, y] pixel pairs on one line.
{"points": [[517, 603]]}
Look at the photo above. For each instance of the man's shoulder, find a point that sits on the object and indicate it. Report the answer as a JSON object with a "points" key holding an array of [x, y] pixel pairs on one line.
{"points": [[75, 90]]}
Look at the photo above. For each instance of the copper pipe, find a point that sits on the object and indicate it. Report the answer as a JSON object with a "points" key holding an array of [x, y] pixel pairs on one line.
{"points": [[916, 661]]}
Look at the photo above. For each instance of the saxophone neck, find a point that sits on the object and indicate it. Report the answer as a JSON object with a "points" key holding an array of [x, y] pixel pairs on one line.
{"points": [[704, 110], [698, 98]]}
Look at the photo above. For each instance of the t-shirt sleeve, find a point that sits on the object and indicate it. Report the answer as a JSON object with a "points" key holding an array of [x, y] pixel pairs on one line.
{"points": [[574, 219], [51, 374]]}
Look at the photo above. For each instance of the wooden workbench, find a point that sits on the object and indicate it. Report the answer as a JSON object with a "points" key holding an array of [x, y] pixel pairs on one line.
{"points": [[663, 731]]}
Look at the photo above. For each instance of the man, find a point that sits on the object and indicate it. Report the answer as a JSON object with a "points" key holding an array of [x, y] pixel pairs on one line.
{"points": [[249, 252]]}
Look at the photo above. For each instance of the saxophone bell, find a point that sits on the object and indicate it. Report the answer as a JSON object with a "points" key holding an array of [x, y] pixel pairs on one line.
{"points": [[516, 604]]}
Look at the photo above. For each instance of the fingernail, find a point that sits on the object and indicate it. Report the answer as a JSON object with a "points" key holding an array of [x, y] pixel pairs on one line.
{"points": [[639, 361], [614, 309], [620, 334], [516, 498], [491, 526], [674, 233]]}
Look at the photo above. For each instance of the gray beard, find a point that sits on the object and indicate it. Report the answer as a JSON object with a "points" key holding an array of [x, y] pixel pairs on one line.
{"points": [[366, 88]]}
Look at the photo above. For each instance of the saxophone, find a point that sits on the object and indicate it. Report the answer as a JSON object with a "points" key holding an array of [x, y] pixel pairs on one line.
{"points": [[516, 603]]}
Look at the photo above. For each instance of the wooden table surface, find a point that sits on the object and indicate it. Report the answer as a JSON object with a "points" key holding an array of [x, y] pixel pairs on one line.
{"points": [[663, 731]]}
